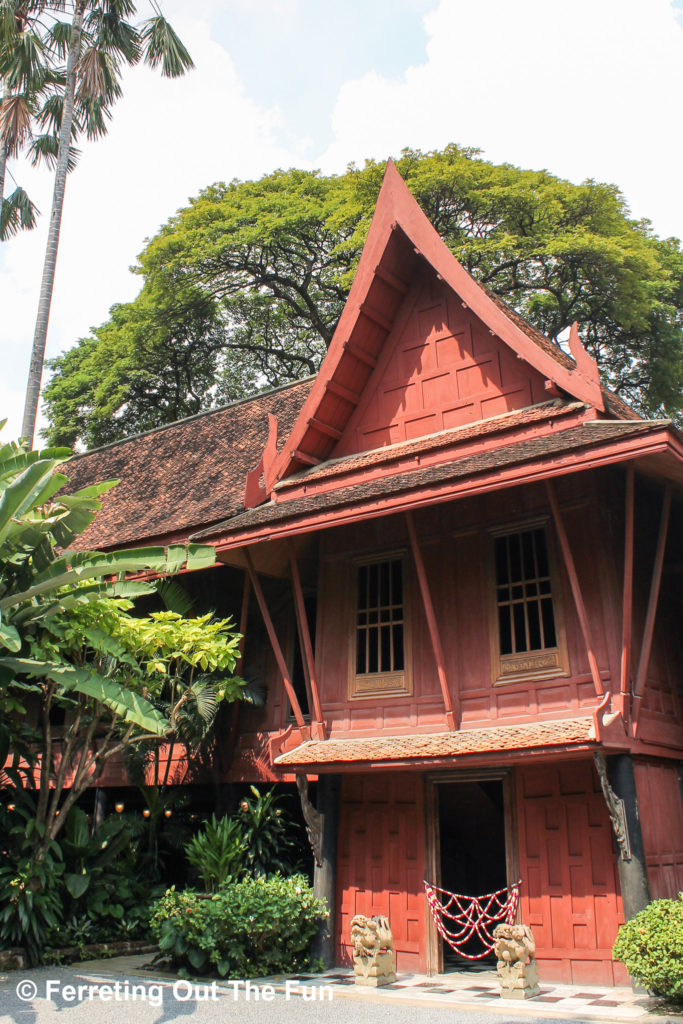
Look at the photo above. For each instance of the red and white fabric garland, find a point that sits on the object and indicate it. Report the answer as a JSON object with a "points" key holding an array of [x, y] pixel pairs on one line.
{"points": [[471, 916]]}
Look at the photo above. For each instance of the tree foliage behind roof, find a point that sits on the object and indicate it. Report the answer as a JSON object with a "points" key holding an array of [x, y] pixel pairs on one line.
{"points": [[242, 289]]}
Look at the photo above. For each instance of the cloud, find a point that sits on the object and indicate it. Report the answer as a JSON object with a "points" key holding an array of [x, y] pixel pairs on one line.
{"points": [[167, 140], [587, 89]]}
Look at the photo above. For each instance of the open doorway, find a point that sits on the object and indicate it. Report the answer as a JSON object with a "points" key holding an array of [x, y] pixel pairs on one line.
{"points": [[471, 851]]}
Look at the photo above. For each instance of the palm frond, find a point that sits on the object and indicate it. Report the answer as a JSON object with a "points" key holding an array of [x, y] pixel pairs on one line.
{"points": [[162, 46], [59, 36], [46, 148], [16, 114], [175, 597], [18, 214]]}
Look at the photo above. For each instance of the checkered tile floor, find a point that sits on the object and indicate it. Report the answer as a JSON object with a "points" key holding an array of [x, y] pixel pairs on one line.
{"points": [[481, 990]]}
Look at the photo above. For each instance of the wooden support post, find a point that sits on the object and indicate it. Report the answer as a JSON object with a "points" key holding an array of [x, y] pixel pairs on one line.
{"points": [[325, 875], [226, 754], [452, 708], [576, 589], [635, 890], [272, 636], [627, 609], [648, 631], [305, 636], [244, 614]]}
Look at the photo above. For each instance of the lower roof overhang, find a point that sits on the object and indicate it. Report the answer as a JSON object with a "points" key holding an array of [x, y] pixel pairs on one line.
{"points": [[656, 451], [489, 745]]}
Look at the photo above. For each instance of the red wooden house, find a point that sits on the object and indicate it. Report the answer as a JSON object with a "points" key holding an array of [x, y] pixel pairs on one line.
{"points": [[457, 559]]}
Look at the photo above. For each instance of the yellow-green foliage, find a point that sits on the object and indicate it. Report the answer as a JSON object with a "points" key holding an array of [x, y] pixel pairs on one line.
{"points": [[650, 946]]}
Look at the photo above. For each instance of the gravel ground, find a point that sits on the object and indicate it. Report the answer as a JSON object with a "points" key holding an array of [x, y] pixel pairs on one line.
{"points": [[46, 995]]}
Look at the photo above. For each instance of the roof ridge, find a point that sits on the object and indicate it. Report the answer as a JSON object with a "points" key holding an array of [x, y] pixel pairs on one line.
{"points": [[195, 416]]}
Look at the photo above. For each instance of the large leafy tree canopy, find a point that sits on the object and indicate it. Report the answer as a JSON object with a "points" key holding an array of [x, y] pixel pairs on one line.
{"points": [[242, 290]]}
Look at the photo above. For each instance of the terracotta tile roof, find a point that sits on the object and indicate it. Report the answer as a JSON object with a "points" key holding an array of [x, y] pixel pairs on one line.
{"points": [[444, 744], [554, 350], [615, 405], [583, 436], [184, 475], [433, 442]]}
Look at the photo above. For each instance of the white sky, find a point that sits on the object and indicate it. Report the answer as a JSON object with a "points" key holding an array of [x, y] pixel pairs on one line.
{"points": [[588, 89]]}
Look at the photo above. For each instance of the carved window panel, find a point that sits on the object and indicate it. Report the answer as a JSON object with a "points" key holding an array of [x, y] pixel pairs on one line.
{"points": [[379, 644], [528, 640]]}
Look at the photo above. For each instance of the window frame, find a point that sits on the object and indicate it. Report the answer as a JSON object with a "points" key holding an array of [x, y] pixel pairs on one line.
{"points": [[369, 685], [538, 664]]}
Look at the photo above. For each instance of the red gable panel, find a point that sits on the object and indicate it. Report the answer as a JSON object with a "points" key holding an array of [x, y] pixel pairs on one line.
{"points": [[401, 247], [440, 367]]}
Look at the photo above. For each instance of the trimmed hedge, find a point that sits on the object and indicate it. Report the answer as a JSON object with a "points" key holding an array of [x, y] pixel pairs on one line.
{"points": [[247, 929], [650, 946]]}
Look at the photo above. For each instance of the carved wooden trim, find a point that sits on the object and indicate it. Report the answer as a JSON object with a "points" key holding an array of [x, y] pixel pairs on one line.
{"points": [[615, 808], [313, 819]]}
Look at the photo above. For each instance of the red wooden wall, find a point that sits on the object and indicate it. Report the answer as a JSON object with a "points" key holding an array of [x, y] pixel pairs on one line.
{"points": [[661, 819], [380, 862], [456, 544], [570, 891], [440, 367]]}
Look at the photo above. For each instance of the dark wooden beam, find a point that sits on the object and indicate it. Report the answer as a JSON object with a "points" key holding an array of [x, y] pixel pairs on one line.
{"points": [[360, 354], [246, 590], [451, 707], [308, 460], [395, 282], [576, 588], [648, 631], [324, 428], [305, 637], [377, 317], [274, 643], [627, 607], [352, 397]]}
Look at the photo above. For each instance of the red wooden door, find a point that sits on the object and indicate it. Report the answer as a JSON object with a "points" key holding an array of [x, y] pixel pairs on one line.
{"points": [[661, 818], [568, 866], [380, 862]]}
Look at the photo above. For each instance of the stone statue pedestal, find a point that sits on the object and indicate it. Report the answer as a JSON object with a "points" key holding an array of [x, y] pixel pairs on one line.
{"points": [[519, 981], [375, 971], [517, 970]]}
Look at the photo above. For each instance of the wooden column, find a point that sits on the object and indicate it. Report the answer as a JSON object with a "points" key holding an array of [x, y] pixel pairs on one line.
{"points": [[576, 588], [272, 636], [627, 607], [307, 646], [325, 874], [635, 889], [451, 707], [648, 631], [225, 758]]}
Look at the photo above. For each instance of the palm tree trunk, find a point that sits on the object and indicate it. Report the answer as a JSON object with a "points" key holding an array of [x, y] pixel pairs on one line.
{"points": [[47, 285], [3, 164], [3, 154]]}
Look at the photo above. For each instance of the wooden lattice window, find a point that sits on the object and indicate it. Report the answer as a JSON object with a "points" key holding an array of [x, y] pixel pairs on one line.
{"points": [[530, 638], [379, 634]]}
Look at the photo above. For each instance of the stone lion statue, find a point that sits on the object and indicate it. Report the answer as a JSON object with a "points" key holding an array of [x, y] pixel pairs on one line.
{"points": [[515, 951], [374, 960]]}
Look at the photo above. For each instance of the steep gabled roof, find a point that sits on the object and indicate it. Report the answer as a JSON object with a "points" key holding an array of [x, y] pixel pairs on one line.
{"points": [[400, 242], [184, 475]]}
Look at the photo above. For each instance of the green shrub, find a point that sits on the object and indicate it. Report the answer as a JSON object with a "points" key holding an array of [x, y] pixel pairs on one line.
{"points": [[216, 852], [266, 829], [650, 946], [248, 929]]}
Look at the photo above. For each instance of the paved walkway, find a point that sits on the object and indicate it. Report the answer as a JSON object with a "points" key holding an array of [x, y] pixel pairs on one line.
{"points": [[125, 988]]}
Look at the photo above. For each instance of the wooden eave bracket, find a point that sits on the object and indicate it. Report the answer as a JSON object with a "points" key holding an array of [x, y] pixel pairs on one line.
{"points": [[289, 739], [255, 487]]}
